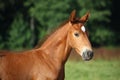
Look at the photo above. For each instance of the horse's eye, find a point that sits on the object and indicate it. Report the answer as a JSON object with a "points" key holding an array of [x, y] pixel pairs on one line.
{"points": [[76, 34]]}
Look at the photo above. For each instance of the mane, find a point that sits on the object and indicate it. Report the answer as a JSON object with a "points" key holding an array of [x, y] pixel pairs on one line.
{"points": [[40, 42], [75, 21]]}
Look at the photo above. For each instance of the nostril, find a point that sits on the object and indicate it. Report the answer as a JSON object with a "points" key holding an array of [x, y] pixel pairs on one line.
{"points": [[90, 54]]}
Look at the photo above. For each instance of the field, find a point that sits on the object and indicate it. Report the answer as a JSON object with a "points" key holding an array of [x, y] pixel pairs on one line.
{"points": [[100, 68], [93, 70]]}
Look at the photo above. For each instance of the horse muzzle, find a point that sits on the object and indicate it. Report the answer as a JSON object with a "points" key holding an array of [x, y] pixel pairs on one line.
{"points": [[87, 55]]}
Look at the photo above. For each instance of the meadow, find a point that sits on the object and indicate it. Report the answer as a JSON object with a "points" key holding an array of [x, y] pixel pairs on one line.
{"points": [[92, 70]]}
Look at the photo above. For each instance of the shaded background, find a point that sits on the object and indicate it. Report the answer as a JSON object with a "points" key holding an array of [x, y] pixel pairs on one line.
{"points": [[29, 21], [24, 23]]}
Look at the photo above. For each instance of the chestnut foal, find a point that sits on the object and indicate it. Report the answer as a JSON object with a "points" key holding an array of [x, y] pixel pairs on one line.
{"points": [[48, 61]]}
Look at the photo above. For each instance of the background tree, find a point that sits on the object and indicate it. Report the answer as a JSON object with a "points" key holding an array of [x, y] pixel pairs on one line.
{"points": [[31, 20], [100, 14], [19, 35]]}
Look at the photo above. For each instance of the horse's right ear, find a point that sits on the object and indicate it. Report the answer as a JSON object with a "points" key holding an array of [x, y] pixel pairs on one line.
{"points": [[72, 16]]}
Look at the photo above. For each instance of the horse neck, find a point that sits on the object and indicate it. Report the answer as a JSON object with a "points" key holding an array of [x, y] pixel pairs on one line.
{"points": [[56, 46]]}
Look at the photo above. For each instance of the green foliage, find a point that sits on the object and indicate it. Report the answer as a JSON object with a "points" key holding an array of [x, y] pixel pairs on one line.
{"points": [[102, 37], [98, 24], [15, 19], [49, 13], [19, 35], [51, 16]]}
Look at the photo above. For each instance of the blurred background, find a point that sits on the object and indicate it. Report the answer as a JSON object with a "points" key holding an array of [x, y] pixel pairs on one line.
{"points": [[24, 23]]}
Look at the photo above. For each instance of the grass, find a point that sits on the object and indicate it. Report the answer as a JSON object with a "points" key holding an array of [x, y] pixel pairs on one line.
{"points": [[93, 70]]}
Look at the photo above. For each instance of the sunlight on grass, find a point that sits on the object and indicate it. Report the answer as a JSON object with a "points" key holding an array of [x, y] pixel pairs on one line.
{"points": [[93, 70]]}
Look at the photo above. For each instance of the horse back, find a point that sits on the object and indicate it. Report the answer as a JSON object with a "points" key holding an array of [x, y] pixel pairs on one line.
{"points": [[13, 64]]}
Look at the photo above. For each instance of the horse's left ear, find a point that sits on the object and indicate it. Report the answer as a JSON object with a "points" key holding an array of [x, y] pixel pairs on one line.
{"points": [[72, 16], [85, 17]]}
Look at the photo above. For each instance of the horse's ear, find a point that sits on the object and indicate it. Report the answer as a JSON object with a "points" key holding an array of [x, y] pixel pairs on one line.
{"points": [[72, 16], [85, 17]]}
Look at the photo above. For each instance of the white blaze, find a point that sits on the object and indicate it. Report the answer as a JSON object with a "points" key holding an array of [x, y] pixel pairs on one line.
{"points": [[83, 28]]}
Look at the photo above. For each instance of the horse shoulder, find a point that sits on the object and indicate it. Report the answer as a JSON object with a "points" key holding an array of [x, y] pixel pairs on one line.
{"points": [[44, 67]]}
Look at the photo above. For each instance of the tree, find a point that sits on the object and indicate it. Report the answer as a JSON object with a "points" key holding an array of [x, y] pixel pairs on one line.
{"points": [[38, 17], [98, 24], [19, 35], [47, 14], [50, 13]]}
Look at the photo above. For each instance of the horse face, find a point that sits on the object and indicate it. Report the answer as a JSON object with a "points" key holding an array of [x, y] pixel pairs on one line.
{"points": [[78, 38]]}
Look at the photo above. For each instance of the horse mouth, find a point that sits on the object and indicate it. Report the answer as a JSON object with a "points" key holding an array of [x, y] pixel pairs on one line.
{"points": [[86, 59]]}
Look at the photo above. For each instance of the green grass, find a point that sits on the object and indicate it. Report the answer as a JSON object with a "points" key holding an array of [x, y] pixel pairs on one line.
{"points": [[93, 70]]}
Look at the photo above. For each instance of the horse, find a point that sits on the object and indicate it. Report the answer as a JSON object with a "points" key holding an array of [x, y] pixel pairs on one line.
{"points": [[48, 61]]}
